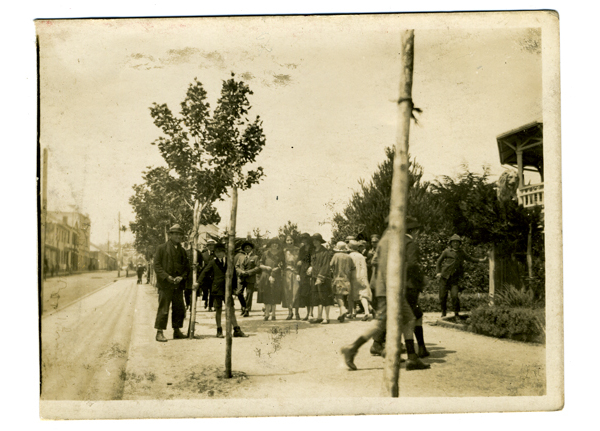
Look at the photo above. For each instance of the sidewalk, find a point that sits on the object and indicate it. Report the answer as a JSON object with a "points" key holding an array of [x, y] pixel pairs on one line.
{"points": [[294, 359]]}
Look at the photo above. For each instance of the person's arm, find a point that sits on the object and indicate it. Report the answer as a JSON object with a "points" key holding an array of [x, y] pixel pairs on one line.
{"points": [[438, 265], [158, 268], [206, 271], [475, 259]]}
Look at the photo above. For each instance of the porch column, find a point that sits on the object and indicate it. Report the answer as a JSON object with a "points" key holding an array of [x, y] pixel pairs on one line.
{"points": [[520, 166]]}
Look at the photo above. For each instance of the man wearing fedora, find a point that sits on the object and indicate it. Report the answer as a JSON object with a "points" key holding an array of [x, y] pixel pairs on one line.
{"points": [[450, 269], [247, 267], [172, 270]]}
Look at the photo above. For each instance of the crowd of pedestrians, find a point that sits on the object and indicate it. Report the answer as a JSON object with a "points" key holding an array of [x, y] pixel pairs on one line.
{"points": [[306, 277]]}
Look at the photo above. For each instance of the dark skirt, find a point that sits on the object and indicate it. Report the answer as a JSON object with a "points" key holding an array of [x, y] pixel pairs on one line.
{"points": [[269, 293], [321, 294]]}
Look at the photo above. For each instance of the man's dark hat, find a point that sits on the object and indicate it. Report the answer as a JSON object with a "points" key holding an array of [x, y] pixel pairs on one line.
{"points": [[245, 243], [305, 235], [176, 229], [219, 246], [318, 237]]}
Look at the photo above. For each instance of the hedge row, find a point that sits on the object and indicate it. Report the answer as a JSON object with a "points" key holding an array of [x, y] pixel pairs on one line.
{"points": [[522, 324], [430, 302]]}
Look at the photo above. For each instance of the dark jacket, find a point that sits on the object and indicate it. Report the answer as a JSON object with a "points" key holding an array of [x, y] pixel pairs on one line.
{"points": [[247, 267], [450, 262], [170, 260], [414, 273], [218, 273]]}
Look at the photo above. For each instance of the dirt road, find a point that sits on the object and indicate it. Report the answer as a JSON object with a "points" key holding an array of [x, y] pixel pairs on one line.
{"points": [[62, 291], [283, 359], [85, 345]]}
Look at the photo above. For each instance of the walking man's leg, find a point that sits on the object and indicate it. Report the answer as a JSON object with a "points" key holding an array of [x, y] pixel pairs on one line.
{"points": [[455, 300], [443, 295]]}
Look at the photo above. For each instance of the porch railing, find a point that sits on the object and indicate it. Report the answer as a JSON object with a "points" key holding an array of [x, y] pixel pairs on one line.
{"points": [[530, 196]]}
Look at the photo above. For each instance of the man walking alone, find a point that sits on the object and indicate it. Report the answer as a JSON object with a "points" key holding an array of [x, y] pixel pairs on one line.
{"points": [[172, 270]]}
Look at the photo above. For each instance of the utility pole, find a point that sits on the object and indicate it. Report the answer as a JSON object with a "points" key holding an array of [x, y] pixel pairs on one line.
{"points": [[395, 277], [119, 248]]}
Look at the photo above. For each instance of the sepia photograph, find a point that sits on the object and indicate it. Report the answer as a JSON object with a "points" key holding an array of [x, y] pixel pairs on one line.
{"points": [[299, 215]]}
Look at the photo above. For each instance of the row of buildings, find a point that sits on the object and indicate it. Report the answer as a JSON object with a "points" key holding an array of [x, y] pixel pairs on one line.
{"points": [[67, 245]]}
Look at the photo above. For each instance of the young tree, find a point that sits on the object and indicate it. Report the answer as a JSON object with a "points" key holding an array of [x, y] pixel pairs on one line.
{"points": [[207, 154]]}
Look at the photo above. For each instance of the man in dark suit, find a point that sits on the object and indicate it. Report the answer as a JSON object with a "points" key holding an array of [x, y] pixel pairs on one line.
{"points": [[217, 269], [172, 270]]}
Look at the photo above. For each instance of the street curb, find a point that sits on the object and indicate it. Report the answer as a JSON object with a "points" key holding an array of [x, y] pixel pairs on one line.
{"points": [[50, 313], [446, 324]]}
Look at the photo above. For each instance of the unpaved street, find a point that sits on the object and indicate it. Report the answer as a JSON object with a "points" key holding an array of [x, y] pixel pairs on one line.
{"points": [[85, 345]]}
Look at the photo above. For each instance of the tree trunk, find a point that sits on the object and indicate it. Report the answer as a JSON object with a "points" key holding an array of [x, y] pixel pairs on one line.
{"points": [[229, 282], [194, 245], [397, 227]]}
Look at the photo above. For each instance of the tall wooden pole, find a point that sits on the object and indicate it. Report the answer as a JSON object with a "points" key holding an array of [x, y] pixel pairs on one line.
{"points": [[229, 282], [395, 279]]}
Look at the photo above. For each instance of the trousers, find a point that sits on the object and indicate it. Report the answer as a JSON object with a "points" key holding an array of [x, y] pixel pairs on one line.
{"points": [[250, 289], [166, 297], [449, 285]]}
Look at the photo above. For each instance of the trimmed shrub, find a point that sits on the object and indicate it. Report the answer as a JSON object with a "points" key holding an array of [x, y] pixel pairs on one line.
{"points": [[522, 324]]}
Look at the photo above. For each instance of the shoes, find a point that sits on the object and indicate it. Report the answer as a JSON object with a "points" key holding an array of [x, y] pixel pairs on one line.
{"points": [[423, 353], [177, 334], [220, 333], [210, 309], [205, 305], [349, 354], [290, 317], [443, 314], [305, 319], [242, 312], [297, 317], [316, 320], [246, 313], [341, 318], [416, 364], [367, 318], [237, 332], [266, 318], [273, 318], [160, 337], [377, 349], [325, 322]]}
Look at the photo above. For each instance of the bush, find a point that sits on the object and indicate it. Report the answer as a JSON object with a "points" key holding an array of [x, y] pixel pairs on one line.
{"points": [[512, 297], [522, 324], [430, 302]]}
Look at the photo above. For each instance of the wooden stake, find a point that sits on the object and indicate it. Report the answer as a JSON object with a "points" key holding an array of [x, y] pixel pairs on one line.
{"points": [[397, 227], [229, 282]]}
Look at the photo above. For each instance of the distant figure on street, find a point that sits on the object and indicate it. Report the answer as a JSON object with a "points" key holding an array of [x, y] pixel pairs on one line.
{"points": [[248, 268], [172, 270], [450, 269], [216, 269], [140, 273]]}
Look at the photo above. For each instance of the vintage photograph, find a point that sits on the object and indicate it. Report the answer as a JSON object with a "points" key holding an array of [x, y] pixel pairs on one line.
{"points": [[300, 215]]}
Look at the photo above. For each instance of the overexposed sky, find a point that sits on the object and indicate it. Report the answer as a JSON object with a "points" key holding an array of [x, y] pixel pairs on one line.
{"points": [[325, 88]]}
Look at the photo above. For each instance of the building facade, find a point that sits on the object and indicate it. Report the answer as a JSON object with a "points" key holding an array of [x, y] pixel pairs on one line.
{"points": [[67, 242]]}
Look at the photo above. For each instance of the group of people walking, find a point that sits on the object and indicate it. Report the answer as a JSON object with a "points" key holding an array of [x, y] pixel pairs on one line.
{"points": [[307, 275]]}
